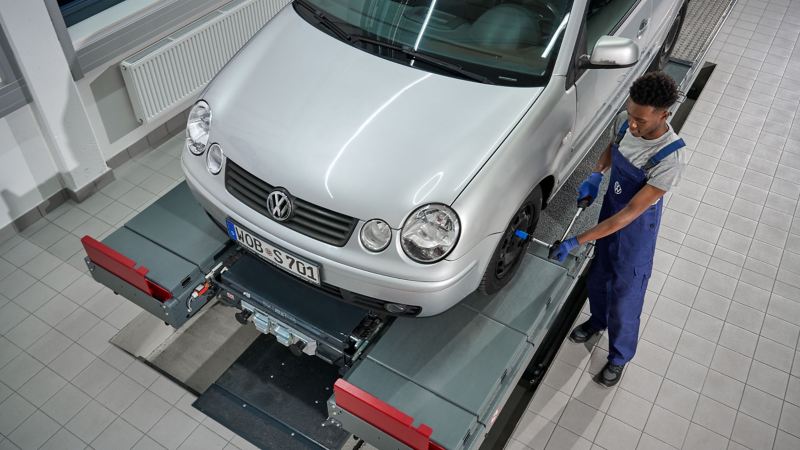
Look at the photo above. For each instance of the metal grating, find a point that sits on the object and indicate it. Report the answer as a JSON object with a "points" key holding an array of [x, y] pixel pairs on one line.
{"points": [[176, 68], [699, 27], [309, 219]]}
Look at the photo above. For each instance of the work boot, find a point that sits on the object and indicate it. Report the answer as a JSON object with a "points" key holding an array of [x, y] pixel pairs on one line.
{"points": [[610, 374], [583, 333]]}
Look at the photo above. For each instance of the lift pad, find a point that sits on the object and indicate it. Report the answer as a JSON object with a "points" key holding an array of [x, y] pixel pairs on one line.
{"points": [[453, 371]]}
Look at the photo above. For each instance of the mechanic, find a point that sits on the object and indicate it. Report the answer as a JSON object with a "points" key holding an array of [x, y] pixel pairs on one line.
{"points": [[646, 161]]}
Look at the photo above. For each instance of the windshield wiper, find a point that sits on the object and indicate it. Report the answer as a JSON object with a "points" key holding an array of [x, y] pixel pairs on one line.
{"points": [[404, 49], [325, 20], [424, 57]]}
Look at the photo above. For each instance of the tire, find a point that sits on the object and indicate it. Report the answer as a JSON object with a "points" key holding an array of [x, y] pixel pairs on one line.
{"points": [[510, 250], [664, 53]]}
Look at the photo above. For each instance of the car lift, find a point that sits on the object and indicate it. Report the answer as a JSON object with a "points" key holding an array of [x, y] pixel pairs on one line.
{"points": [[397, 383]]}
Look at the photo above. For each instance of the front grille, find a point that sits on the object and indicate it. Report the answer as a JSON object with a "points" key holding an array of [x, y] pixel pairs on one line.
{"points": [[309, 219]]}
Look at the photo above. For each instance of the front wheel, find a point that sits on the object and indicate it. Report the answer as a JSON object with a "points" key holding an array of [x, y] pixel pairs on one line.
{"points": [[664, 53], [511, 249]]}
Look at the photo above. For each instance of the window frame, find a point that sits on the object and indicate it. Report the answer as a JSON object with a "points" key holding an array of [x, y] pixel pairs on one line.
{"points": [[14, 92], [127, 38], [575, 71]]}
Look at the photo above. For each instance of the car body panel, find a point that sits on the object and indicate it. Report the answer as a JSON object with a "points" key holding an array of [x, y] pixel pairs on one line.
{"points": [[370, 138]]}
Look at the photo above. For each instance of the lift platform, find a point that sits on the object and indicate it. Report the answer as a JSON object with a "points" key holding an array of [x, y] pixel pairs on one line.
{"points": [[326, 366]]}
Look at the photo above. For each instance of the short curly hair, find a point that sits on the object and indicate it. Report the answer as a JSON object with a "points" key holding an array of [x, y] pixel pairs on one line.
{"points": [[656, 89]]}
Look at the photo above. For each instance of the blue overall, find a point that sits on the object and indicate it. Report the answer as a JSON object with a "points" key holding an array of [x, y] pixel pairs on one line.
{"points": [[617, 280]]}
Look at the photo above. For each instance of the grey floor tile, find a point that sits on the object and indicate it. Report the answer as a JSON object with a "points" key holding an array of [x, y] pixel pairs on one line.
{"points": [[118, 435], [652, 357], [173, 429], [19, 370], [42, 386], [679, 290], [761, 406], [145, 443], [774, 354], [23, 252], [738, 339], [752, 296], [662, 333], [65, 404], [712, 304], [677, 399], [723, 389], [793, 390], [61, 277], [753, 433], [104, 303], [49, 346], [790, 419], [35, 296], [715, 416], [704, 325], [630, 409], [204, 439], [13, 411], [696, 348], [96, 377], [780, 331], [731, 363], [745, 317], [35, 431], [768, 379], [27, 332], [77, 324], [617, 434], [167, 390], [641, 382], [532, 431], [97, 339], [56, 310], [562, 376], [120, 394], [41, 265], [90, 421], [149, 408], [666, 426], [72, 361], [8, 351], [785, 441], [699, 438], [592, 394], [785, 309], [64, 440]]}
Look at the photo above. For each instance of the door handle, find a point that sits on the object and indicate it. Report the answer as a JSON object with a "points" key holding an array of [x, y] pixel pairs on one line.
{"points": [[643, 27]]}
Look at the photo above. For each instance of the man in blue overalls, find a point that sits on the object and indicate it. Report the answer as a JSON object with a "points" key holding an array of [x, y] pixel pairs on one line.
{"points": [[645, 161]]}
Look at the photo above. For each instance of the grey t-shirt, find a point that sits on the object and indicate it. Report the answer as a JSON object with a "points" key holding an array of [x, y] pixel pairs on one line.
{"points": [[638, 151]]}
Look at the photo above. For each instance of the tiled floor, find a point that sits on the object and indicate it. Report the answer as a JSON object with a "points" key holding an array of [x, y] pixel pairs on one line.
{"points": [[718, 363], [62, 385]]}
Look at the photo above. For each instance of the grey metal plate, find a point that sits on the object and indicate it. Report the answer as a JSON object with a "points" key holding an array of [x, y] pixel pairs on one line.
{"points": [[166, 268], [523, 304], [449, 422], [178, 223], [461, 355]]}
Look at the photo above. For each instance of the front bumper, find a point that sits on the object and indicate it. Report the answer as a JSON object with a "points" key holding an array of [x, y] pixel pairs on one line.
{"points": [[460, 277]]}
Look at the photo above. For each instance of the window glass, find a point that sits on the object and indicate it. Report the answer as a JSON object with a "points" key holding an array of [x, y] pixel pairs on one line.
{"points": [[75, 11], [603, 17], [508, 42]]}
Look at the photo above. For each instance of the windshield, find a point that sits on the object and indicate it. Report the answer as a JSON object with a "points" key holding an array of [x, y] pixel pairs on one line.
{"points": [[508, 42]]}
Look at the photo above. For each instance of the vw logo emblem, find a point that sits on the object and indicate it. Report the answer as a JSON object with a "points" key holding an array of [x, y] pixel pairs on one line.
{"points": [[279, 205], [617, 188]]}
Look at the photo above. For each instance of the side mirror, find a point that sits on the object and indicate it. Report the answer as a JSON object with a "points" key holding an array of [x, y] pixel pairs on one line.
{"points": [[611, 52]]}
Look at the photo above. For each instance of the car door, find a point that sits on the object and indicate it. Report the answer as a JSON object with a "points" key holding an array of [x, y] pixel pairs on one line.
{"points": [[601, 92]]}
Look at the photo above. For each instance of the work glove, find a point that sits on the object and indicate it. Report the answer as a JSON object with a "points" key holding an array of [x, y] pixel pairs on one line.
{"points": [[589, 188], [559, 250]]}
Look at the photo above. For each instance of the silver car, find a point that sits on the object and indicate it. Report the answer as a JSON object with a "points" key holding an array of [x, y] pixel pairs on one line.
{"points": [[387, 150]]}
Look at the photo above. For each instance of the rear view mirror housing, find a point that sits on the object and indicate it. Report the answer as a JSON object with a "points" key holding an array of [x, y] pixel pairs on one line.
{"points": [[611, 52]]}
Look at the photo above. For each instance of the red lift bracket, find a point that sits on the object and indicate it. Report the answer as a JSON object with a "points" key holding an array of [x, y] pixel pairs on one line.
{"points": [[123, 267], [383, 416]]}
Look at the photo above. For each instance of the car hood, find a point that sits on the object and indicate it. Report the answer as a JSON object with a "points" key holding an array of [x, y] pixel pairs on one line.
{"points": [[352, 132]]}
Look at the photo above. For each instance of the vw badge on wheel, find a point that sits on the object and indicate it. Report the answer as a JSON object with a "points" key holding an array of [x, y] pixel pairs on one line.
{"points": [[279, 205]]}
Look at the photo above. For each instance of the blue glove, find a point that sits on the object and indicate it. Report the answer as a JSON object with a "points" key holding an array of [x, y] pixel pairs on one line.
{"points": [[590, 187], [560, 250]]}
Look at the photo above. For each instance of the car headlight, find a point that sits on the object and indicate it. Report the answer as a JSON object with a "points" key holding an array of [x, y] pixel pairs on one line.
{"points": [[197, 127], [430, 233], [376, 235], [215, 159]]}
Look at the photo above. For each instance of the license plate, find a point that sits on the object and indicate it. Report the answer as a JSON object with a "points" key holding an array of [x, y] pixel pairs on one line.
{"points": [[281, 258]]}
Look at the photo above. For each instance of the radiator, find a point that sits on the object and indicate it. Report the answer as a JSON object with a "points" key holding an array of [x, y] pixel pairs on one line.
{"points": [[177, 68]]}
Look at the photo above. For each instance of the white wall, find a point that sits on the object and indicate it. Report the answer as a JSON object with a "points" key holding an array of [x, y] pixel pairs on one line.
{"points": [[28, 174]]}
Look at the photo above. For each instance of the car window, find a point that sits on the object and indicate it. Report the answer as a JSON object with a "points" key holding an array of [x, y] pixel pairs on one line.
{"points": [[508, 42], [603, 17]]}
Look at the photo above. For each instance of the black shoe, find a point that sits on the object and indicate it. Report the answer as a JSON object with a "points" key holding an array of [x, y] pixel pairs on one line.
{"points": [[610, 375], [583, 333]]}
